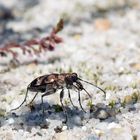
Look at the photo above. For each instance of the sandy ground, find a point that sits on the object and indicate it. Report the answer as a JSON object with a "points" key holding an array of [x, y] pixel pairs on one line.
{"points": [[101, 44]]}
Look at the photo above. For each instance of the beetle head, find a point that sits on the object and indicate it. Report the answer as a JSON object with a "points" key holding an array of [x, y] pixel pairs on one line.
{"points": [[74, 77]]}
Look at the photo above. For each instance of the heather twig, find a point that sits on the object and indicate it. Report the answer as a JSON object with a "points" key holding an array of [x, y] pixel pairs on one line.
{"points": [[46, 43]]}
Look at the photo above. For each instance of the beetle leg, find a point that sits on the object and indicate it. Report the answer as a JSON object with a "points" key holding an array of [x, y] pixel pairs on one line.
{"points": [[42, 103], [88, 94], [46, 94], [79, 99], [71, 99], [33, 99], [64, 109], [22, 102]]}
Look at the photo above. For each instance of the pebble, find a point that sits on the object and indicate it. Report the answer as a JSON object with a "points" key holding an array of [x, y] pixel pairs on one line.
{"points": [[102, 114], [58, 129], [64, 127], [101, 126], [84, 128], [113, 125], [10, 121], [77, 120], [21, 131], [128, 99], [87, 115], [98, 132], [102, 24]]}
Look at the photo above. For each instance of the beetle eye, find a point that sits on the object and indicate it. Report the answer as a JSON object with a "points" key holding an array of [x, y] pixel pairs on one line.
{"points": [[74, 78]]}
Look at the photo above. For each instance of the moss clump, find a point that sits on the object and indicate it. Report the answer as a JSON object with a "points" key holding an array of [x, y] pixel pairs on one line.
{"points": [[133, 85], [136, 96], [111, 87], [89, 104], [22, 92], [66, 102], [135, 137], [112, 103], [58, 108], [2, 112]]}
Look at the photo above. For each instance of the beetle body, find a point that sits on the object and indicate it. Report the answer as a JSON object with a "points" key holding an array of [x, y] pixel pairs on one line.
{"points": [[54, 80], [49, 84]]}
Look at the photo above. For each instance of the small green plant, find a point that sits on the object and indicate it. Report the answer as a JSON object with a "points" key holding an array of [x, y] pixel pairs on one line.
{"points": [[135, 137], [2, 112], [70, 70], [111, 87], [112, 103], [135, 96], [133, 85], [123, 103], [58, 108], [89, 104], [66, 102]]}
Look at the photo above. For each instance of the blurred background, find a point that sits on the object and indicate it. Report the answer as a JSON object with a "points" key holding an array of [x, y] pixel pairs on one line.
{"points": [[101, 43], [24, 19]]}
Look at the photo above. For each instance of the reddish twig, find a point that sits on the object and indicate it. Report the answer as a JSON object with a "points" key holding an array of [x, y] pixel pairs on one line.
{"points": [[45, 43]]}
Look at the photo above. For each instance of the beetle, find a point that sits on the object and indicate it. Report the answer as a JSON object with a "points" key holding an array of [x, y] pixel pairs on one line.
{"points": [[49, 84]]}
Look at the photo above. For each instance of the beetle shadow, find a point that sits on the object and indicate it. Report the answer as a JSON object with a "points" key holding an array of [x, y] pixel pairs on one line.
{"points": [[55, 116]]}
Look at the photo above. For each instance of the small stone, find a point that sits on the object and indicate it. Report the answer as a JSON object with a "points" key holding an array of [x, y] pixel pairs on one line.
{"points": [[128, 99], [102, 24], [98, 132], [84, 128], [112, 112], [87, 115], [113, 125], [10, 121], [44, 125], [64, 127], [101, 126], [39, 134], [21, 131], [102, 114], [135, 66], [58, 129], [77, 120], [93, 109]]}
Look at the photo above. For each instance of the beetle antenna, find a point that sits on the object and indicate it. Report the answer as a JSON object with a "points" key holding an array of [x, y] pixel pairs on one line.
{"points": [[22, 102], [87, 93], [93, 85]]}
